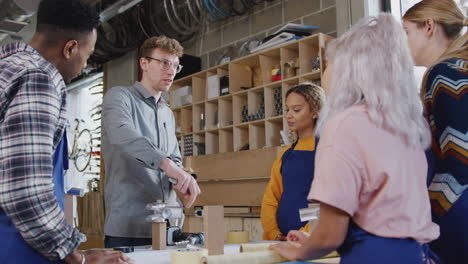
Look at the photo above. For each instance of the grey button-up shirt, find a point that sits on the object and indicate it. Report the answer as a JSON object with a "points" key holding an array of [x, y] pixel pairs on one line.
{"points": [[137, 134]]}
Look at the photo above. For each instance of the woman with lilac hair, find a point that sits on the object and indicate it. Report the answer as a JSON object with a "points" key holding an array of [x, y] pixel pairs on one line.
{"points": [[370, 169]]}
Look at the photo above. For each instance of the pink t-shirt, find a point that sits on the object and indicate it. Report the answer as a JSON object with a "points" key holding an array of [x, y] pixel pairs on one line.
{"points": [[373, 175]]}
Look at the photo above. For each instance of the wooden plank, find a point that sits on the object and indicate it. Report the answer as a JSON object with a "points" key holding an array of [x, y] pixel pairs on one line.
{"points": [[236, 210], [213, 226], [254, 226], [235, 165], [158, 235], [232, 193]]}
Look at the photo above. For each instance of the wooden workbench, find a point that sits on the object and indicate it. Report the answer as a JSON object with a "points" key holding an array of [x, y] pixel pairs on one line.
{"points": [[148, 256]]}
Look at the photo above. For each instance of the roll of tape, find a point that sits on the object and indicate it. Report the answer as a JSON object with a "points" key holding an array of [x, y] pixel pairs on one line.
{"points": [[188, 256], [237, 237]]}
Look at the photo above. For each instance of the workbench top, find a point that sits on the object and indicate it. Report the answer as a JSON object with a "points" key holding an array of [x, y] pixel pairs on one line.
{"points": [[145, 255]]}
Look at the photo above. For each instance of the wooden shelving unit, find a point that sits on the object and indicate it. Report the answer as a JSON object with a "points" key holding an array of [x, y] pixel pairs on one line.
{"points": [[233, 138], [250, 116]]}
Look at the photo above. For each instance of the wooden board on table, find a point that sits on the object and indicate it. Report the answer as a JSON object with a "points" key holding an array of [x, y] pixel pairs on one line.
{"points": [[213, 227]]}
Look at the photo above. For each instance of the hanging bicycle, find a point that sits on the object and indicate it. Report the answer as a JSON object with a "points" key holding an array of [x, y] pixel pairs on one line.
{"points": [[82, 148]]}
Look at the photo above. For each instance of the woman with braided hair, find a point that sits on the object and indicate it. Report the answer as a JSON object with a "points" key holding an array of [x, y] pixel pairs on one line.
{"points": [[293, 170], [434, 30]]}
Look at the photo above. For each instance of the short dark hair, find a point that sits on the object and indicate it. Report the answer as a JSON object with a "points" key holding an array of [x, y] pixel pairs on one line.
{"points": [[66, 16]]}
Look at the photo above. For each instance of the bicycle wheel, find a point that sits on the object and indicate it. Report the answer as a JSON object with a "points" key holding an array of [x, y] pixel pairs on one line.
{"points": [[218, 9], [83, 151], [185, 22], [196, 14], [238, 7]]}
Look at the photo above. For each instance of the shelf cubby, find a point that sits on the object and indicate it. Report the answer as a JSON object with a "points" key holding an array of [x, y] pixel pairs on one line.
{"points": [[239, 104], [187, 145], [198, 88], [244, 73], [212, 141], [199, 118], [323, 41], [269, 60], [241, 137], [225, 111], [211, 114], [249, 115], [286, 86], [199, 145], [256, 103], [257, 135], [272, 129], [309, 50], [273, 100], [212, 84], [223, 74], [289, 53], [186, 120], [226, 136], [178, 128], [175, 100]]}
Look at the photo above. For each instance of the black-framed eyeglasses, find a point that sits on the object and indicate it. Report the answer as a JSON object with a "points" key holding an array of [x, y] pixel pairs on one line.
{"points": [[165, 65]]}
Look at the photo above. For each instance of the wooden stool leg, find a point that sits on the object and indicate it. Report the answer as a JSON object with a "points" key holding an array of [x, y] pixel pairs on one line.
{"points": [[159, 235], [213, 227]]}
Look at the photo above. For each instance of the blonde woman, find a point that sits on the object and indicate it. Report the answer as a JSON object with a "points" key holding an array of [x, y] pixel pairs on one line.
{"points": [[293, 170], [434, 34], [370, 174]]}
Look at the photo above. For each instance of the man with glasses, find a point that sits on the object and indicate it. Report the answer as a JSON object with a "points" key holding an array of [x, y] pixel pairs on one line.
{"points": [[140, 148]]}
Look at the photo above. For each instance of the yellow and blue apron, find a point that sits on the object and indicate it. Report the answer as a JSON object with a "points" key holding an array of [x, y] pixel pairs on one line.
{"points": [[13, 248], [452, 244], [297, 171], [362, 247]]}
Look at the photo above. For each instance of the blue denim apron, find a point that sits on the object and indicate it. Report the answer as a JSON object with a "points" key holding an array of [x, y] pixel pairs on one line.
{"points": [[13, 248], [297, 171], [361, 247], [452, 245]]}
